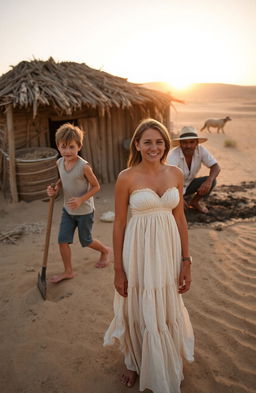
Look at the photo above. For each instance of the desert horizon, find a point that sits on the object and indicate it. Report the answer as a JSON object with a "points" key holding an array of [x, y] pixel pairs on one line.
{"points": [[209, 91]]}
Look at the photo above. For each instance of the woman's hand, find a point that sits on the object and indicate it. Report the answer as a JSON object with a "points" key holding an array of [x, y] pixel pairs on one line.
{"points": [[185, 277], [121, 283]]}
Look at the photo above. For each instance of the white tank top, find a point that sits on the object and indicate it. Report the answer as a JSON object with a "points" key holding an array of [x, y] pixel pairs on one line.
{"points": [[74, 184]]}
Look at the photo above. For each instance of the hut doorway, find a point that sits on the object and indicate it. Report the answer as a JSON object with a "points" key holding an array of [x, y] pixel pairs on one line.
{"points": [[54, 125]]}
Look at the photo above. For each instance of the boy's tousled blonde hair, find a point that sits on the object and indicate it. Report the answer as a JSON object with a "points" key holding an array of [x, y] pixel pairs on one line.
{"points": [[144, 125], [67, 133]]}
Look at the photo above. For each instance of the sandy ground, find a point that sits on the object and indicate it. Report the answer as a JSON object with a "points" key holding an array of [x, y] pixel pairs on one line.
{"points": [[55, 346]]}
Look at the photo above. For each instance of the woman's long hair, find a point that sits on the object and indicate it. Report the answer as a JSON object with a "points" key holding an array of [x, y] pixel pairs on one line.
{"points": [[144, 125]]}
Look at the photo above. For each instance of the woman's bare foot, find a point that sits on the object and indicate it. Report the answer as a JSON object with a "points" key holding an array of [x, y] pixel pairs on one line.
{"points": [[128, 378], [198, 206], [61, 277], [104, 257]]}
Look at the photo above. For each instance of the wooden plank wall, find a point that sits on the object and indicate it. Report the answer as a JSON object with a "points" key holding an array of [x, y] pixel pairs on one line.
{"points": [[103, 145], [3, 133], [30, 132], [3, 138]]}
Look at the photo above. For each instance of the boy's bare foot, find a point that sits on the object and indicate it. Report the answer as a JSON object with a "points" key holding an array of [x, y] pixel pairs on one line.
{"points": [[128, 378], [103, 261], [61, 277], [198, 206]]}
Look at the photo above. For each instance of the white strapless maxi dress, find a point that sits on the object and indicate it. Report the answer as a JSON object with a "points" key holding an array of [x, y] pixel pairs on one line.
{"points": [[152, 324]]}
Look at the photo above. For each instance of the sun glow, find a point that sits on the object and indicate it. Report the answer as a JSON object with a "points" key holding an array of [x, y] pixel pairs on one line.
{"points": [[179, 85], [179, 42]]}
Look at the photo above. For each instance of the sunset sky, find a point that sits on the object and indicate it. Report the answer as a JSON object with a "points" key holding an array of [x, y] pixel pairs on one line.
{"points": [[176, 41]]}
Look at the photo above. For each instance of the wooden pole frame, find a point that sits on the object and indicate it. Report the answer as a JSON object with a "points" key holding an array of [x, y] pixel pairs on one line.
{"points": [[11, 151]]}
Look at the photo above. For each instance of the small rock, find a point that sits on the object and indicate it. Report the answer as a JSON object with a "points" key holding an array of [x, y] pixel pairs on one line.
{"points": [[108, 216], [30, 269]]}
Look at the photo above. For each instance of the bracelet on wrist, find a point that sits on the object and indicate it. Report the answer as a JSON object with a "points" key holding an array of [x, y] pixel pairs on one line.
{"points": [[188, 259]]}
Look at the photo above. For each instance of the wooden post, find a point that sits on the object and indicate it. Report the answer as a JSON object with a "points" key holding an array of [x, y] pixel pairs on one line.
{"points": [[103, 146], [111, 174], [11, 151], [86, 150]]}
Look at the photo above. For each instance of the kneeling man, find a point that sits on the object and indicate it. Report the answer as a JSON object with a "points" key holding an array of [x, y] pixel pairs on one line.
{"points": [[188, 155]]}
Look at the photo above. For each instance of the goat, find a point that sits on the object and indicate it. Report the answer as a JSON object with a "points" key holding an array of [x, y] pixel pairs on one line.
{"points": [[216, 123]]}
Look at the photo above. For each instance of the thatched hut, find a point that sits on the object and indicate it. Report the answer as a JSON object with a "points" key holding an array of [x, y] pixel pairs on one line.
{"points": [[36, 97]]}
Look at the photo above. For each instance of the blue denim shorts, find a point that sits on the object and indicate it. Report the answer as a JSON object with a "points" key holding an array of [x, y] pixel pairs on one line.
{"points": [[68, 225]]}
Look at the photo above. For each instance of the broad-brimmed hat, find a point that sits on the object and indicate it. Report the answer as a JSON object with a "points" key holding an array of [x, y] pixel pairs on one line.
{"points": [[188, 132]]}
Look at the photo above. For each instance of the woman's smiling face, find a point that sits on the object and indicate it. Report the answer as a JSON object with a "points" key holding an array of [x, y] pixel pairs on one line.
{"points": [[151, 145]]}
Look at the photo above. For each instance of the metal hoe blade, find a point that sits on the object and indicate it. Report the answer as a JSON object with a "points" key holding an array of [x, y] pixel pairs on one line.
{"points": [[41, 282]]}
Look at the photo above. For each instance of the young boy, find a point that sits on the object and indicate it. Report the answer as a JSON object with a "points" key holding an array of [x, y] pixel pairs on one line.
{"points": [[79, 184]]}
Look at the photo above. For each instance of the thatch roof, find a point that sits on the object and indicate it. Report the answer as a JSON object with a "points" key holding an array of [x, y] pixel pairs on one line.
{"points": [[69, 86]]}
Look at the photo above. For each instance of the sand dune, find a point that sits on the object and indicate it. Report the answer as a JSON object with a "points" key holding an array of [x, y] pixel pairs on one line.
{"points": [[55, 346], [222, 307], [208, 91]]}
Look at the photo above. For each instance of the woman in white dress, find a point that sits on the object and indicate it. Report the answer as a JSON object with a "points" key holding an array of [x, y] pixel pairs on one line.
{"points": [[152, 266]]}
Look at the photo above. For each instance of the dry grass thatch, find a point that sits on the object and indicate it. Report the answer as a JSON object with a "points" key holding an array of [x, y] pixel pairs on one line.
{"points": [[69, 86]]}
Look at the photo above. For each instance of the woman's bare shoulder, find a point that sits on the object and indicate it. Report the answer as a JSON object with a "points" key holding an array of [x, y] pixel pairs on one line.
{"points": [[176, 174], [126, 179], [126, 174], [175, 170]]}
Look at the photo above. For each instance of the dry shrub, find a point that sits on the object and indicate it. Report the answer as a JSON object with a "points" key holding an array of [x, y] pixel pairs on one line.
{"points": [[230, 143]]}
